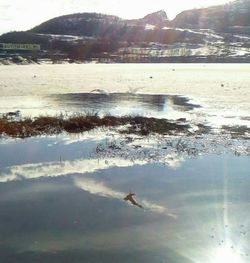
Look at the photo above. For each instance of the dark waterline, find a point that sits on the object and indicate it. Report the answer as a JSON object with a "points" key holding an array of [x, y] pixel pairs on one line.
{"points": [[116, 104]]}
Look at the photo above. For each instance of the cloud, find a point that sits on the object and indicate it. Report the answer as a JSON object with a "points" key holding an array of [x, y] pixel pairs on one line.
{"points": [[55, 169], [5, 6], [99, 188]]}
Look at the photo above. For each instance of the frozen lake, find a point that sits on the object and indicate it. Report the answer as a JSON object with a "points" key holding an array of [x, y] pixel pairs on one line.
{"points": [[221, 89], [220, 84]]}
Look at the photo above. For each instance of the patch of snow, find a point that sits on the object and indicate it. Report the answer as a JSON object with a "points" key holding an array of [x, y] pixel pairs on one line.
{"points": [[242, 52], [242, 37], [149, 27], [205, 33], [66, 37]]}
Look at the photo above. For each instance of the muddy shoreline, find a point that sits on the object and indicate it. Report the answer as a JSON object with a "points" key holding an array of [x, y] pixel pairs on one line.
{"points": [[47, 125], [12, 126]]}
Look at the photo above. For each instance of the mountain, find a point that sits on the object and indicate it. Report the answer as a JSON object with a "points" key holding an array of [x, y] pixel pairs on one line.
{"points": [[90, 26], [82, 24], [231, 17], [157, 18], [100, 25], [213, 32]]}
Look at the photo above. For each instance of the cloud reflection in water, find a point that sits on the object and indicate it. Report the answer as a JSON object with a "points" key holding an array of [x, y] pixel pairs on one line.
{"points": [[56, 169], [99, 188]]}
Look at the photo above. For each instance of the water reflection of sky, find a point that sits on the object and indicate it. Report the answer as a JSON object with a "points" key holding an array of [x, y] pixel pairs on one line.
{"points": [[60, 203]]}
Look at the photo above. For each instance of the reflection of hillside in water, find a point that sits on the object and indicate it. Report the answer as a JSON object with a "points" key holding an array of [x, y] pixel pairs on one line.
{"points": [[121, 103], [116, 104]]}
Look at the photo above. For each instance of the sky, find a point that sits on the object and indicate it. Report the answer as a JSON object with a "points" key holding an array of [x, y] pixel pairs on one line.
{"points": [[18, 15]]}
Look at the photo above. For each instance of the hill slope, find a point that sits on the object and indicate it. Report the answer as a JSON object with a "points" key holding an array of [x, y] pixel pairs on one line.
{"points": [[231, 17], [219, 31]]}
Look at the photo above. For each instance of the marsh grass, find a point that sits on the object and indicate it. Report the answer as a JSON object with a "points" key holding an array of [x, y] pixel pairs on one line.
{"points": [[77, 123], [237, 131]]}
